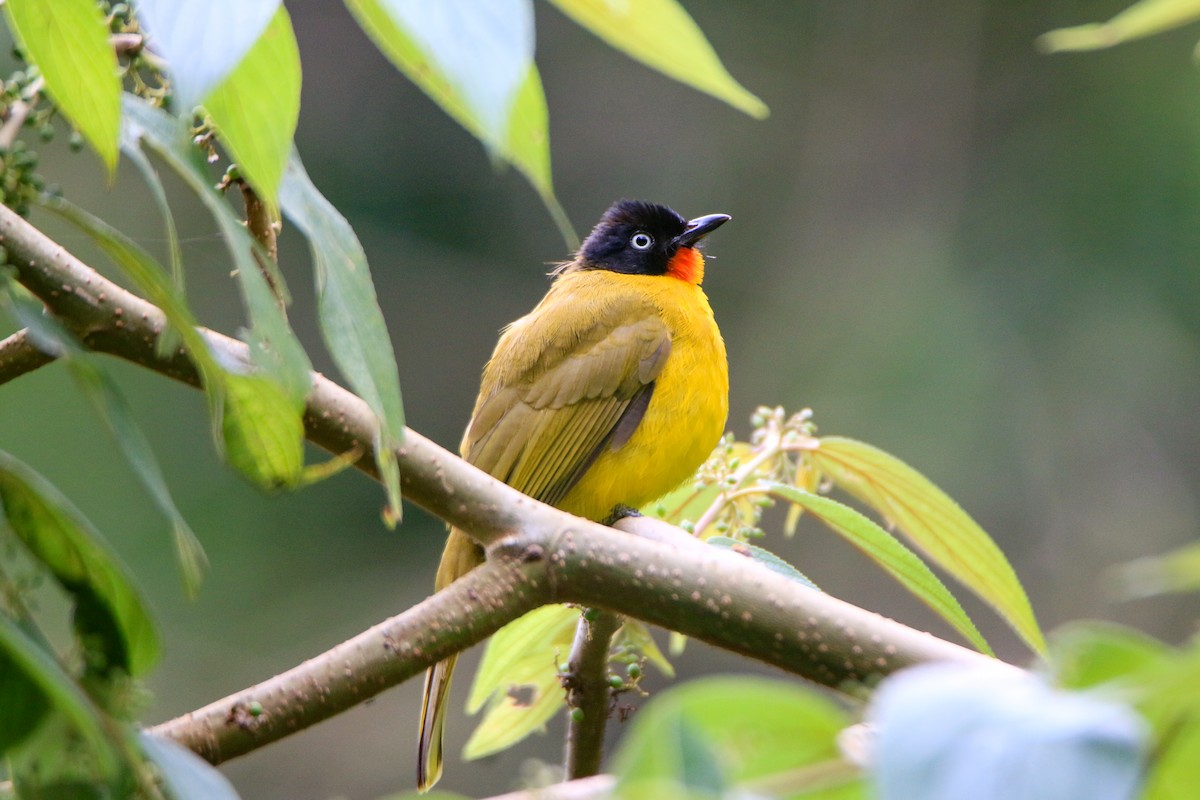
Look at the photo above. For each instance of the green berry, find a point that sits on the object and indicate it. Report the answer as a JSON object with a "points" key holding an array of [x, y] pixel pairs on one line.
{"points": [[577, 715], [75, 142], [634, 671]]}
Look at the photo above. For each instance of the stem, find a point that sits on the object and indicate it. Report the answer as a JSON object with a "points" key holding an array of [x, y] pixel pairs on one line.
{"points": [[18, 112], [19, 355], [262, 228], [769, 449], [588, 692]]}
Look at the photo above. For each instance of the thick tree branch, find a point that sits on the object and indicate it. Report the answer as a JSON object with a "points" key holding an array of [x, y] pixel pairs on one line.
{"points": [[538, 554], [19, 355]]}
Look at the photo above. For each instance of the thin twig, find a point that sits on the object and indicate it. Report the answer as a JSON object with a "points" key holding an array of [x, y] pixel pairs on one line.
{"points": [[588, 692], [18, 112], [19, 355]]}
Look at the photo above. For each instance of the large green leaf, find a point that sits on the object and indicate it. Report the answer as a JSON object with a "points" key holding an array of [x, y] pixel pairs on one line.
{"points": [[933, 522], [519, 678], [263, 435], [886, 551], [110, 403], [187, 776], [476, 62], [68, 41], [256, 107], [112, 622], [662, 35], [352, 323], [1144, 18], [728, 731]]}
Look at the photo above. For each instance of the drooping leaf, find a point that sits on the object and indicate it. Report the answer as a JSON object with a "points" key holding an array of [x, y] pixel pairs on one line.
{"points": [[68, 40], [256, 107], [273, 346], [475, 60], [263, 434], [518, 679], [112, 407], [948, 731], [111, 621], [203, 41], [752, 728], [131, 147], [663, 36], [764, 557], [1144, 18], [186, 775], [352, 323], [40, 673], [933, 522], [886, 551]]}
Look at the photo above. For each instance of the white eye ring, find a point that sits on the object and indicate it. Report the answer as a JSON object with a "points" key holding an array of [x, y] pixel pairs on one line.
{"points": [[641, 241]]}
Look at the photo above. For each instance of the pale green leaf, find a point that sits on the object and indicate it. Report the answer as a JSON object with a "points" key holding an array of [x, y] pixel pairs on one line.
{"points": [[263, 433], [1087, 654], [933, 522], [186, 775], [110, 619], [68, 41], [352, 322], [519, 679], [662, 35], [256, 107], [1141, 19], [886, 551], [764, 557], [1175, 771], [755, 729], [1176, 571], [476, 62]]}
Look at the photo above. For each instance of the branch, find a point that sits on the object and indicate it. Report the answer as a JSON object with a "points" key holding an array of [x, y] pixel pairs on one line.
{"points": [[19, 355], [588, 692], [538, 554]]}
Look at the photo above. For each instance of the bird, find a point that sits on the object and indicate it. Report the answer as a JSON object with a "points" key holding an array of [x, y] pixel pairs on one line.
{"points": [[610, 393]]}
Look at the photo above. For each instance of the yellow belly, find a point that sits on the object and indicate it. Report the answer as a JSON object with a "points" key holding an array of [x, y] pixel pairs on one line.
{"points": [[684, 420]]}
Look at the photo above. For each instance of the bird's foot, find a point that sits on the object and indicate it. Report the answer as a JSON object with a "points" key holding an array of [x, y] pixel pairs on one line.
{"points": [[619, 513]]}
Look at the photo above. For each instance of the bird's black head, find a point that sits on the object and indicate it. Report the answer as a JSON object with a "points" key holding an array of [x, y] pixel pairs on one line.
{"points": [[640, 238]]}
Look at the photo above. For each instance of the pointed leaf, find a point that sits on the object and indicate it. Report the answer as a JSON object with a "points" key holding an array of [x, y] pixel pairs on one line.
{"points": [[352, 323], [68, 41], [475, 60], [203, 41], [519, 679], [187, 776], [933, 522], [764, 557], [886, 551], [111, 620], [256, 107], [1141, 19], [662, 35]]}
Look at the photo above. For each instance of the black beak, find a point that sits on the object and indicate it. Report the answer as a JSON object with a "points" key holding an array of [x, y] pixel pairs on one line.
{"points": [[698, 228]]}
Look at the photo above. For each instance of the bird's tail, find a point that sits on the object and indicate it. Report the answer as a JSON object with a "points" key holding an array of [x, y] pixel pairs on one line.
{"points": [[461, 556], [433, 720]]}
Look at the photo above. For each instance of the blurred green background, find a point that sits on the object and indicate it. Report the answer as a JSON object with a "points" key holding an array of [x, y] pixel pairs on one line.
{"points": [[979, 258]]}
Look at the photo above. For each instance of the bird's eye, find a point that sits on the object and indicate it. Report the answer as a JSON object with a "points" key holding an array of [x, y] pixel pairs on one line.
{"points": [[641, 241]]}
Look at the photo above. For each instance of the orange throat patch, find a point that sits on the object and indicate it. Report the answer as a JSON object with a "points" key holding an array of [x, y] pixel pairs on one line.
{"points": [[687, 265]]}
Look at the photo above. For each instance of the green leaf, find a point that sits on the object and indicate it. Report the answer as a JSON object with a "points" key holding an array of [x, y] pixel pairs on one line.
{"points": [[661, 35], [753, 728], [263, 434], [636, 636], [21, 698], [1145, 18], [57, 691], [352, 323], [519, 679], [111, 620], [131, 147], [1175, 772], [112, 407], [886, 551], [187, 776], [273, 346], [68, 41], [256, 107], [764, 557], [933, 522], [1176, 571], [476, 62], [1084, 655]]}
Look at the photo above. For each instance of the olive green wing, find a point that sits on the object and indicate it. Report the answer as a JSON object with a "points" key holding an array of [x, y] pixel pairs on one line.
{"points": [[580, 385]]}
